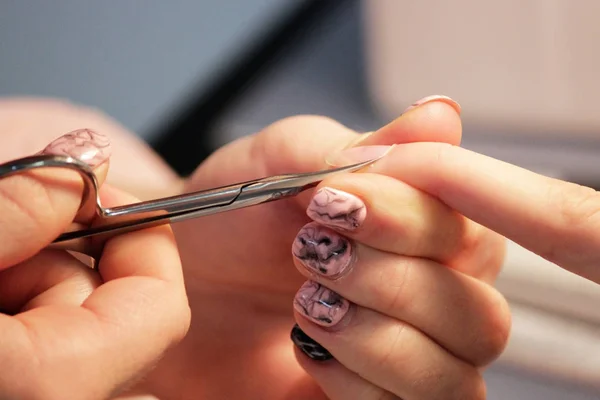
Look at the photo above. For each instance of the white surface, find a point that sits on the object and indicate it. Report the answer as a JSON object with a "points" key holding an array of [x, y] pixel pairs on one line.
{"points": [[529, 279], [556, 318], [521, 66], [135, 60]]}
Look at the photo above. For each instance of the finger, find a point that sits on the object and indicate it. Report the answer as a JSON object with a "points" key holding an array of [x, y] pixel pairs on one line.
{"points": [[387, 214], [336, 381], [29, 124], [395, 356], [50, 278], [557, 220], [38, 205], [119, 331], [464, 315], [432, 119], [90, 147]]}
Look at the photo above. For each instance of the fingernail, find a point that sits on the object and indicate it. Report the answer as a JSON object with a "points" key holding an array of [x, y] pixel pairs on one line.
{"points": [[308, 346], [85, 145], [323, 250], [322, 306], [437, 97], [337, 209], [357, 155]]}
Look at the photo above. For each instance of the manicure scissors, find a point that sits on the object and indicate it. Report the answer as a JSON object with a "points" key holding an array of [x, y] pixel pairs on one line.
{"points": [[110, 222]]}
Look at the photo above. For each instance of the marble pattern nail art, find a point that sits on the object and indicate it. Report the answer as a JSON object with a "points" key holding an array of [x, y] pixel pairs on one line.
{"points": [[85, 145], [337, 209], [308, 346], [323, 250], [321, 305]]}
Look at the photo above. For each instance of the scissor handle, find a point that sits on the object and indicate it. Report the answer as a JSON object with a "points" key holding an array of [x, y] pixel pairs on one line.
{"points": [[90, 196]]}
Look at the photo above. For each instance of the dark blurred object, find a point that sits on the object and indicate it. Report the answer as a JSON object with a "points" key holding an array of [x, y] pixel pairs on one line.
{"points": [[184, 142]]}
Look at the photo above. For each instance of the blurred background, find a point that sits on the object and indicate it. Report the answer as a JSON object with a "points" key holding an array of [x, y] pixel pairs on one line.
{"points": [[191, 75]]}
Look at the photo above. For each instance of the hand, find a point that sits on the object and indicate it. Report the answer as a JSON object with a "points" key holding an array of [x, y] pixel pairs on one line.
{"points": [[69, 331], [413, 316], [242, 281], [557, 220]]}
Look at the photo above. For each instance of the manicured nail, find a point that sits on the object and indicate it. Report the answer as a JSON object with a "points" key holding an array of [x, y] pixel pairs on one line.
{"points": [[85, 145], [429, 99], [357, 155], [308, 346], [321, 305], [323, 250], [337, 209]]}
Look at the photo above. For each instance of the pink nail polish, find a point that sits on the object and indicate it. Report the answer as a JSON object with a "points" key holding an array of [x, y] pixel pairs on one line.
{"points": [[323, 250], [85, 145], [337, 209], [429, 99], [321, 305], [355, 155]]}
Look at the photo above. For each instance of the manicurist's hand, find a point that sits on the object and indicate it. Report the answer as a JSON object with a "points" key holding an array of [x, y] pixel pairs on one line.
{"points": [[69, 331]]}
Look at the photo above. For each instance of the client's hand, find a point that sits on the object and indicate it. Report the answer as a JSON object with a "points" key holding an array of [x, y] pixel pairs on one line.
{"points": [[385, 278], [70, 331]]}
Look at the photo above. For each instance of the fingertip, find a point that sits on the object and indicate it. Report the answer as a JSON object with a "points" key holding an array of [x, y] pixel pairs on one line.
{"points": [[435, 98], [434, 121], [337, 381]]}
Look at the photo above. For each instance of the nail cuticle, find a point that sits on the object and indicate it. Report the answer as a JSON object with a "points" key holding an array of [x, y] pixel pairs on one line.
{"points": [[85, 145]]}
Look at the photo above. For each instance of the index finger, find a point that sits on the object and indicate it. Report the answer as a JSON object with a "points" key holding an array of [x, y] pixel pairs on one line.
{"points": [[557, 220], [39, 205]]}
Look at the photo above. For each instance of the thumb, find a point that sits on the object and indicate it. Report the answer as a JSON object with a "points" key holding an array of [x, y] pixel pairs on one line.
{"points": [[38, 205], [303, 143]]}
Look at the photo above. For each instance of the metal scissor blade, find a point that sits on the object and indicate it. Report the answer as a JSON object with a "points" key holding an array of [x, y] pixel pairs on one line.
{"points": [[273, 188], [193, 205]]}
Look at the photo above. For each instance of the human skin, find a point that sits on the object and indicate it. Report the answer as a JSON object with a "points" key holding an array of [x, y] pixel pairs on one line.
{"points": [[242, 295], [64, 324]]}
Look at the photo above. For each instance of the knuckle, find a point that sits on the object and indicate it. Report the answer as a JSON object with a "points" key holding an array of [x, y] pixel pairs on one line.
{"points": [[395, 279], [472, 237], [576, 209], [477, 389], [492, 340], [374, 392], [184, 319], [442, 151], [466, 384], [179, 316], [277, 136], [392, 354], [272, 144], [575, 204], [28, 209]]}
